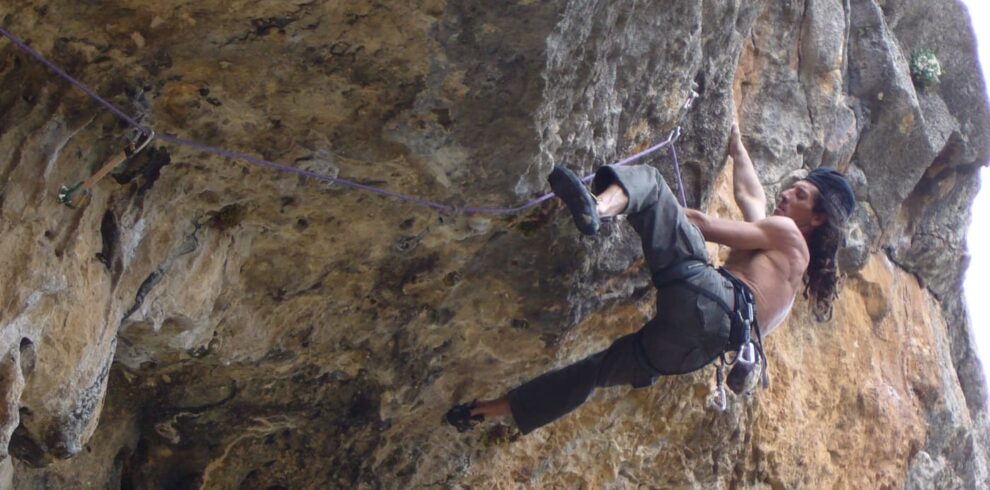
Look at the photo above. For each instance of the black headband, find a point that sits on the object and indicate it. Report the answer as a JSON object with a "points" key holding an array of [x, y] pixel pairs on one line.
{"points": [[834, 188]]}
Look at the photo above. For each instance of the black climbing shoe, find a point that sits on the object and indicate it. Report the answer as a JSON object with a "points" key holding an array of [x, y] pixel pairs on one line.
{"points": [[578, 199], [460, 417]]}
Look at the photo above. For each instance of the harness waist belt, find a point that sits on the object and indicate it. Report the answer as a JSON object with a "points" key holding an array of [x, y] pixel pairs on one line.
{"points": [[744, 309], [742, 315]]}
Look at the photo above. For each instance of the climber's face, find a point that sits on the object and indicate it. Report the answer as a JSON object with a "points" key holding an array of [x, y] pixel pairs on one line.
{"points": [[798, 203]]}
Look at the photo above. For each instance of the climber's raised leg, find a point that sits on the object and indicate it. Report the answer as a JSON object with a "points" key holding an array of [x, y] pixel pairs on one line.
{"points": [[667, 344]]}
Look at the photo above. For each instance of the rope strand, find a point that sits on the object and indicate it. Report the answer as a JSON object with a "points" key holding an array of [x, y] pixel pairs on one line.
{"points": [[420, 201]]}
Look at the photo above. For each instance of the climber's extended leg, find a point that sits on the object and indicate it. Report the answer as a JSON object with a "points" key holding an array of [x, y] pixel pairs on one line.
{"points": [[554, 394]]}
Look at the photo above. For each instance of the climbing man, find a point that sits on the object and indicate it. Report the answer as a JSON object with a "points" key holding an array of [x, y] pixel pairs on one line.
{"points": [[701, 312]]}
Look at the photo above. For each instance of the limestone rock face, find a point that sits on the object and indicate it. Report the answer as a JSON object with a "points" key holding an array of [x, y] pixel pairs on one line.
{"points": [[206, 323]]}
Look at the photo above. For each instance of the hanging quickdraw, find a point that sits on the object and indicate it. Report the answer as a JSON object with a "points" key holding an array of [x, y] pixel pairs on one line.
{"points": [[675, 134], [718, 399], [688, 103], [78, 194]]}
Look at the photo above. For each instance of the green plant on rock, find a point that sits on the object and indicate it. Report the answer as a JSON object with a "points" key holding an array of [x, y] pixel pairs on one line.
{"points": [[925, 68]]}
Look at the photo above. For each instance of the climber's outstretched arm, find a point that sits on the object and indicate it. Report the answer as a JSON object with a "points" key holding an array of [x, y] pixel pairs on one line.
{"points": [[749, 194], [773, 233]]}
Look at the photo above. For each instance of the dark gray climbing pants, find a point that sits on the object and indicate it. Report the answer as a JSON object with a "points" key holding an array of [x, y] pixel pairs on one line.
{"points": [[688, 331]]}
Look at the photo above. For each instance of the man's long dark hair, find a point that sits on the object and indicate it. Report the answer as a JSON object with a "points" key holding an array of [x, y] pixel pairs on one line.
{"points": [[821, 281]]}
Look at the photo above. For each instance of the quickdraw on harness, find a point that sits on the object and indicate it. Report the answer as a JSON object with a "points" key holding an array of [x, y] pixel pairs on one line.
{"points": [[78, 195], [750, 362], [748, 354]]}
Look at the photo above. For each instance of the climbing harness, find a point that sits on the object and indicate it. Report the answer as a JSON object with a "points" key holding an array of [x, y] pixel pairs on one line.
{"points": [[65, 193], [78, 194], [747, 353]]}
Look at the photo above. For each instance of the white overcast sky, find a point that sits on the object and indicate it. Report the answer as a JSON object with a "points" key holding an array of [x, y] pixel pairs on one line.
{"points": [[978, 276]]}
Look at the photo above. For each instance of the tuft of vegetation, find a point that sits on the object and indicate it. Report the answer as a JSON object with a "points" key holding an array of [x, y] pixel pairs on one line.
{"points": [[925, 69]]}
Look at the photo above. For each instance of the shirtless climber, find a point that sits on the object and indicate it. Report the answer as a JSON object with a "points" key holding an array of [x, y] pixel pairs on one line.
{"points": [[699, 308]]}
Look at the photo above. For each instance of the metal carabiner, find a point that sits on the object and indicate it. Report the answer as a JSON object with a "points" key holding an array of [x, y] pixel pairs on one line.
{"points": [[718, 399], [689, 103], [135, 139], [65, 194]]}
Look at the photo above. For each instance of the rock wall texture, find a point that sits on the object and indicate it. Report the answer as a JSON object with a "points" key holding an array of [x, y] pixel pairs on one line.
{"points": [[204, 323]]}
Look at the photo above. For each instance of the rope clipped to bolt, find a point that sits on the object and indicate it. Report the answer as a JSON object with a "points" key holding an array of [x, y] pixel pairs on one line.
{"points": [[78, 194]]}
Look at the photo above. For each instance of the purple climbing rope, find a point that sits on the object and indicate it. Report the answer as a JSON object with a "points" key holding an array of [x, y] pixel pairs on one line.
{"points": [[445, 208], [65, 76], [386, 193]]}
